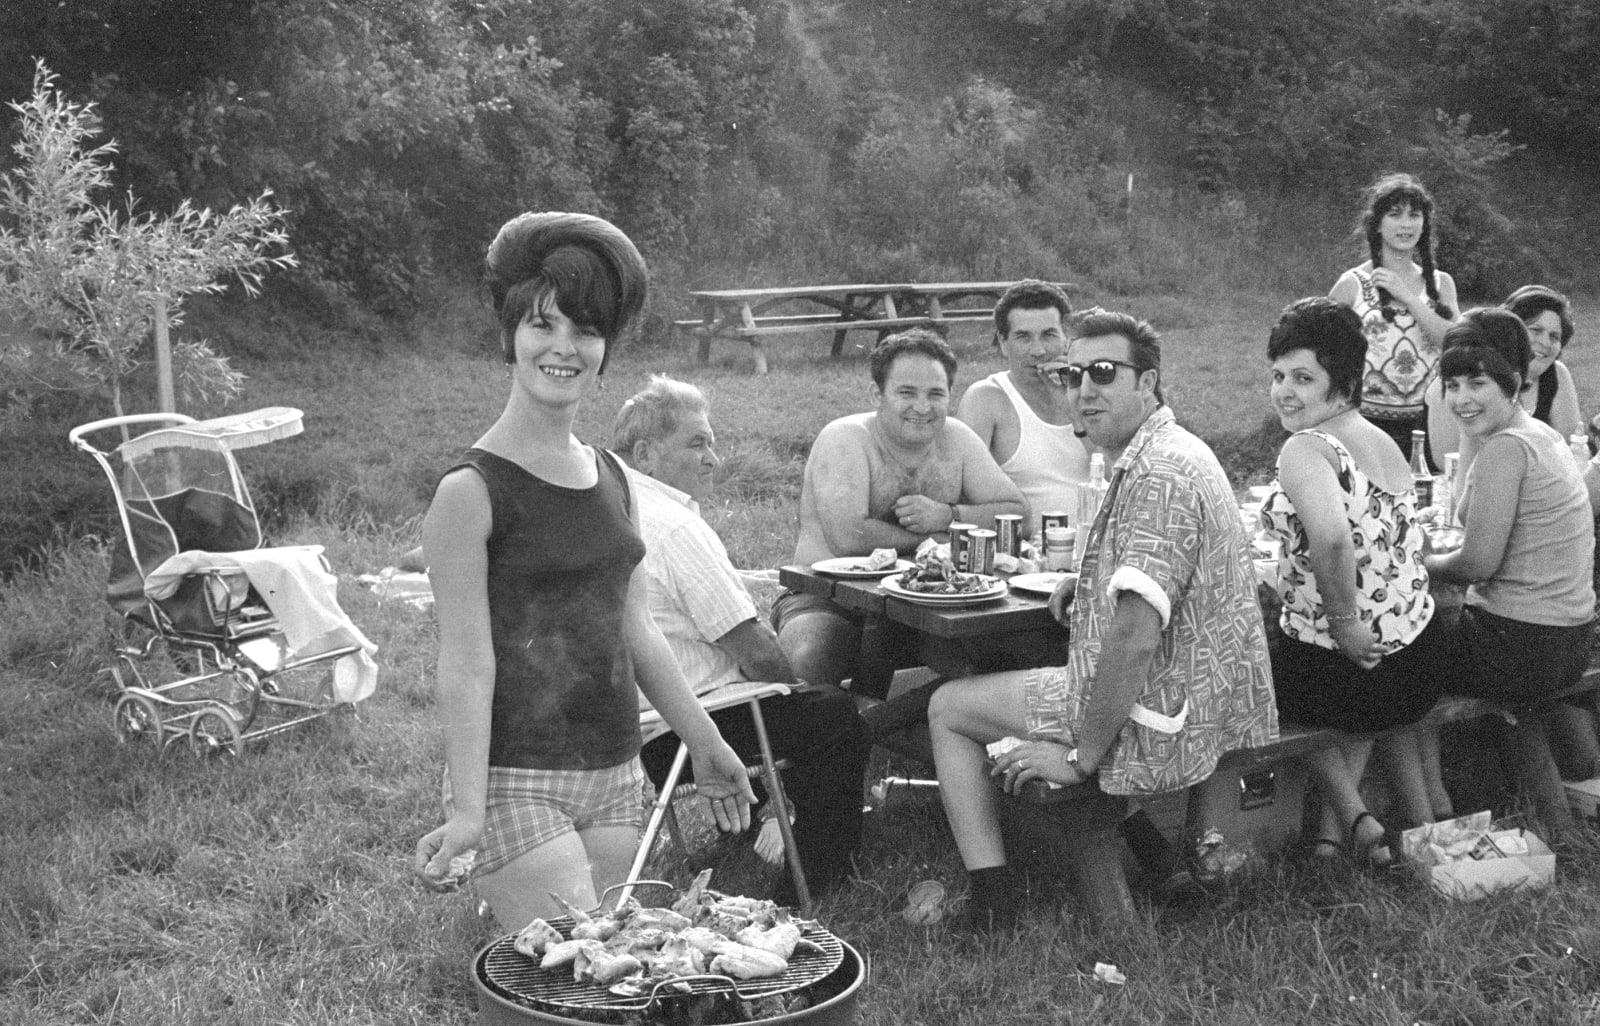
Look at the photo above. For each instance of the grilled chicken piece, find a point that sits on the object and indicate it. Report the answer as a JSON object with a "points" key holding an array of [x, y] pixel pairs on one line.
{"points": [[780, 939], [743, 962], [604, 967], [587, 927], [677, 957], [689, 901], [565, 953], [657, 919], [704, 940], [536, 938]]}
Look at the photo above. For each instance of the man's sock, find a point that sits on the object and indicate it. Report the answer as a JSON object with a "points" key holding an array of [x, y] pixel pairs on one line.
{"points": [[993, 902]]}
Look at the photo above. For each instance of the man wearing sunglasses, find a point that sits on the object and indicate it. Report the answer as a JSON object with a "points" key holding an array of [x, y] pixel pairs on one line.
{"points": [[889, 478], [1167, 663], [1023, 414]]}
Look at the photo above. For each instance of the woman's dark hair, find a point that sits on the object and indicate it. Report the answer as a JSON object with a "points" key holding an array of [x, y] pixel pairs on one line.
{"points": [[1491, 341], [1385, 194], [920, 341], [1329, 331], [1530, 301], [583, 264]]}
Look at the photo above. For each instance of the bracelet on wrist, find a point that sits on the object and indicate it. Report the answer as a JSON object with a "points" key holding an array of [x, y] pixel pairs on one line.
{"points": [[1342, 617], [955, 514]]}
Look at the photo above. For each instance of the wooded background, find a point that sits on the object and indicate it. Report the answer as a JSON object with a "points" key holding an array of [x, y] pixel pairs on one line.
{"points": [[749, 142]]}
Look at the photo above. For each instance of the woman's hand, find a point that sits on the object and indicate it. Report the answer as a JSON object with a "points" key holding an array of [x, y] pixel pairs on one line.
{"points": [[1356, 642], [1396, 286], [720, 777], [434, 853], [1037, 760]]}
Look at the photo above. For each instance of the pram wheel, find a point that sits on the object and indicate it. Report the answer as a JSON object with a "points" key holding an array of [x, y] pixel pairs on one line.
{"points": [[137, 719], [214, 731]]}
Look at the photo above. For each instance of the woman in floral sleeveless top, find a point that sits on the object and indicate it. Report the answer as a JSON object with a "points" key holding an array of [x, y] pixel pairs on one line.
{"points": [[1404, 304], [1359, 650]]}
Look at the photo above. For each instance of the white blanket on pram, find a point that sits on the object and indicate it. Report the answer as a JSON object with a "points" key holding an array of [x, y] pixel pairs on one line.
{"points": [[295, 583]]}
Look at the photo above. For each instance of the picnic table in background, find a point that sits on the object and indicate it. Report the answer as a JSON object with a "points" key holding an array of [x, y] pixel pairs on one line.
{"points": [[750, 315]]}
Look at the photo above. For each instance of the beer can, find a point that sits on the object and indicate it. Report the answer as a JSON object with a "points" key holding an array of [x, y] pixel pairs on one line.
{"points": [[958, 544], [980, 551], [1054, 518], [1008, 534]]}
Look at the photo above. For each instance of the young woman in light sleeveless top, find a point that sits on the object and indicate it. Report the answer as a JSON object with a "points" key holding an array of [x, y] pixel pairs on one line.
{"points": [[1528, 551], [1404, 303]]}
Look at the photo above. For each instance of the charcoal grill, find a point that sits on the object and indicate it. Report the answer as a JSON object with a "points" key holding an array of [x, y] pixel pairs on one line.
{"points": [[513, 989]]}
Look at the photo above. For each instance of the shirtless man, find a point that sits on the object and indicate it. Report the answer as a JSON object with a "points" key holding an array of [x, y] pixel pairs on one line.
{"points": [[885, 479], [1025, 419]]}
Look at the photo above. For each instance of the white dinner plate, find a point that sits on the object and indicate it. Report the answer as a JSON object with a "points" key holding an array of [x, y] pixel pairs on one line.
{"points": [[855, 566], [997, 589], [1041, 583]]}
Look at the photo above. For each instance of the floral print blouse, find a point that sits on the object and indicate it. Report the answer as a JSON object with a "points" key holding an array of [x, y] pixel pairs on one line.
{"points": [[1391, 583]]}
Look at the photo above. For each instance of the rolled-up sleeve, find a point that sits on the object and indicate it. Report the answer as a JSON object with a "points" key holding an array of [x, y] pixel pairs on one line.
{"points": [[1156, 550]]}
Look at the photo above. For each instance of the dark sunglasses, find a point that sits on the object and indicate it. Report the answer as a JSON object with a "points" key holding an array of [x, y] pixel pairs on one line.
{"points": [[1101, 372]]}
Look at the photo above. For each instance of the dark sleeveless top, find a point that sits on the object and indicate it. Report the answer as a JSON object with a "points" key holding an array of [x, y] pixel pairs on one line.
{"points": [[560, 560]]}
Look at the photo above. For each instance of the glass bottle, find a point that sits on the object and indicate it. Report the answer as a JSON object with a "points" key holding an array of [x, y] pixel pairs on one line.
{"points": [[1090, 494], [1421, 476]]}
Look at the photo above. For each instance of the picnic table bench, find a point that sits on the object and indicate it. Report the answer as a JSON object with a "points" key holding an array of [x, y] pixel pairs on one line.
{"points": [[750, 315], [1270, 785]]}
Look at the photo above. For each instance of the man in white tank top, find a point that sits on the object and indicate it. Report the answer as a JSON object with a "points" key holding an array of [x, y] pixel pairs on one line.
{"points": [[1025, 420]]}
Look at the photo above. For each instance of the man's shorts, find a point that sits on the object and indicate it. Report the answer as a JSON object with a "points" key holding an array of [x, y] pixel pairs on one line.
{"points": [[1056, 706], [794, 603], [530, 807]]}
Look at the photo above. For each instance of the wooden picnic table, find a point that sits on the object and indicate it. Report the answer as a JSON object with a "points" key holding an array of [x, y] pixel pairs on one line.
{"points": [[1265, 777], [750, 315], [1089, 842]]}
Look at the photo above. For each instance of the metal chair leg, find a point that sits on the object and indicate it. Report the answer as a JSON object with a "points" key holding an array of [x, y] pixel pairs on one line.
{"points": [[660, 808], [780, 808]]}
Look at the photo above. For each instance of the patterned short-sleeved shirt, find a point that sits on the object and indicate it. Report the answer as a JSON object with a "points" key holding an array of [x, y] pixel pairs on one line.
{"points": [[1391, 583], [1170, 530]]}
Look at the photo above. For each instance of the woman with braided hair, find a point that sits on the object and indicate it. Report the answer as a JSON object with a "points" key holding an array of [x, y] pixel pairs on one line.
{"points": [[1405, 305]]}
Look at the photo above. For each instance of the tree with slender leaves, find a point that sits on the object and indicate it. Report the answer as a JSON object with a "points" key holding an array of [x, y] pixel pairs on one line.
{"points": [[90, 280]]}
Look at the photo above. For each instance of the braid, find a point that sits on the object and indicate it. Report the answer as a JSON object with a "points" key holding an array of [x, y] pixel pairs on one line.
{"points": [[1375, 247], [1426, 259]]}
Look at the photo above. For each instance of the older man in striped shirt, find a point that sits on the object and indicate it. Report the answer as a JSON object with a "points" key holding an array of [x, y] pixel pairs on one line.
{"points": [[703, 607]]}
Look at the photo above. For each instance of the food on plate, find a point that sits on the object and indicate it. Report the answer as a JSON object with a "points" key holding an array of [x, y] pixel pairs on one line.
{"points": [[934, 574], [881, 559]]}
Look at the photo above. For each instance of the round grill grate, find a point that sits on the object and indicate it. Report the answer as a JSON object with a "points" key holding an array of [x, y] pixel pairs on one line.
{"points": [[516, 977]]}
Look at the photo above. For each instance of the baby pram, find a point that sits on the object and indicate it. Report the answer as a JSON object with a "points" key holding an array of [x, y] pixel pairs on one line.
{"points": [[250, 641]]}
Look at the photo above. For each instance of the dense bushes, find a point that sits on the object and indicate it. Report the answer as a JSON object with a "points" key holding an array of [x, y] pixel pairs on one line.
{"points": [[730, 136]]}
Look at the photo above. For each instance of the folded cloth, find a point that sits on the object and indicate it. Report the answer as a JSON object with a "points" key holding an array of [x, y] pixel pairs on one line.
{"points": [[302, 593], [410, 587]]}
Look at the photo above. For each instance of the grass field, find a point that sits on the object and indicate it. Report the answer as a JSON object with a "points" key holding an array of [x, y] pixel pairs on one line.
{"points": [[145, 887]]}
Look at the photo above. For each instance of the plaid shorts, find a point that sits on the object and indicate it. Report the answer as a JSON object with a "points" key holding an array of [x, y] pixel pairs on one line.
{"points": [[528, 807]]}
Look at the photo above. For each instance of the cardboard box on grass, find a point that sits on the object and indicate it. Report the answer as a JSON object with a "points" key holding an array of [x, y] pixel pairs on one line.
{"points": [[1584, 797], [1465, 878]]}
